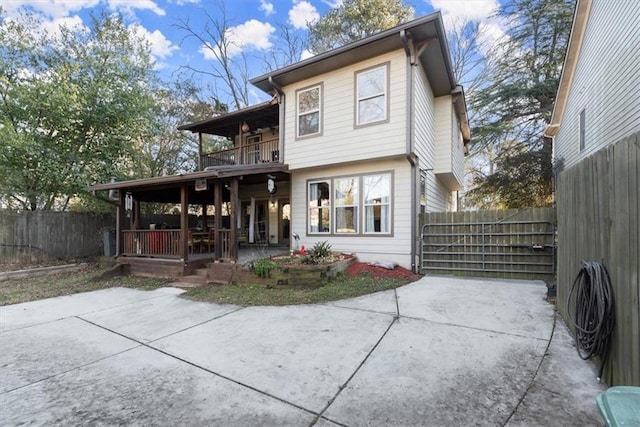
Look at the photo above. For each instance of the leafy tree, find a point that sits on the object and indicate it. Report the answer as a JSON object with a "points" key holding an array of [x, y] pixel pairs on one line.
{"points": [[354, 20], [71, 107], [512, 109]]}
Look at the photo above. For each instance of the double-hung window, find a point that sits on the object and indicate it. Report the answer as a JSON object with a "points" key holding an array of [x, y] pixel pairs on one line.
{"points": [[309, 114], [346, 204], [377, 203], [319, 207], [372, 95]]}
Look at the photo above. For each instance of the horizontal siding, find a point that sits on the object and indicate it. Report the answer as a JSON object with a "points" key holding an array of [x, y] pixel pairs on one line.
{"points": [[443, 126], [605, 83], [340, 142], [457, 149], [394, 248]]}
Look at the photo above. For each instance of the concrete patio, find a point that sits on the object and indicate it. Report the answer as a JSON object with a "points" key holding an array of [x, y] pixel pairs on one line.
{"points": [[440, 351]]}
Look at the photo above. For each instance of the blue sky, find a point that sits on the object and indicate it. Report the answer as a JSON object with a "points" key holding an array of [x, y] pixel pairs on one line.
{"points": [[254, 22]]}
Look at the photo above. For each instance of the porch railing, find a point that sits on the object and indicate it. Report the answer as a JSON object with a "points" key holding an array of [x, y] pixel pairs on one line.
{"points": [[163, 243], [252, 154]]}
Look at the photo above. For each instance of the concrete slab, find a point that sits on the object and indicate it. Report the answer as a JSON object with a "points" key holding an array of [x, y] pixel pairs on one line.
{"points": [[564, 389], [36, 312], [32, 354], [380, 302], [425, 373], [155, 318], [509, 306], [301, 354], [144, 387]]}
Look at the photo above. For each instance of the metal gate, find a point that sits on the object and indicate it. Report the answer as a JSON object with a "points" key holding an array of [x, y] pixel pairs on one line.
{"points": [[509, 249]]}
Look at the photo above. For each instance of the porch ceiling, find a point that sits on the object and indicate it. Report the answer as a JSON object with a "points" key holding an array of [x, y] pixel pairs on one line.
{"points": [[260, 116], [166, 189]]}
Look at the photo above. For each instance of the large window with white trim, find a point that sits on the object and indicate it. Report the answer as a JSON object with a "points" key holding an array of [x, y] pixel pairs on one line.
{"points": [[309, 114], [354, 205], [371, 95], [346, 204]]}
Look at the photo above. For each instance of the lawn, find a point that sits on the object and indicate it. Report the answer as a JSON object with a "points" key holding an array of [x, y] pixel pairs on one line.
{"points": [[257, 292]]}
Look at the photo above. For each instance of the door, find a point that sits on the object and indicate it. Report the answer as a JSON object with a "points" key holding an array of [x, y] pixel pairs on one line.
{"points": [[285, 222]]}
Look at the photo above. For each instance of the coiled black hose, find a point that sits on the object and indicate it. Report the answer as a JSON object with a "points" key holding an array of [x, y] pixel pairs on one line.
{"points": [[593, 315]]}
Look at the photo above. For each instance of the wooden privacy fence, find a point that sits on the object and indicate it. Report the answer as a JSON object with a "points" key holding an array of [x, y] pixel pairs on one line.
{"points": [[599, 220], [506, 243]]}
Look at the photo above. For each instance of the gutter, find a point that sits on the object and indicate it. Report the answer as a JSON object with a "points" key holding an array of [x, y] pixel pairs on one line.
{"points": [[411, 158], [282, 103]]}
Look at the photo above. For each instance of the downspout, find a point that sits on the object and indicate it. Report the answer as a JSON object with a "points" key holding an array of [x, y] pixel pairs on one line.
{"points": [[282, 103], [409, 146]]}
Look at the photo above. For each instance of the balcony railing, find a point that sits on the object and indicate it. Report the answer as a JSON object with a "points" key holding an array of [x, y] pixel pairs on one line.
{"points": [[252, 154]]}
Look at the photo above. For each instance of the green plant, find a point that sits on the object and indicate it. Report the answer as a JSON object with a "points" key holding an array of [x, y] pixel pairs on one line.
{"points": [[263, 267], [321, 251]]}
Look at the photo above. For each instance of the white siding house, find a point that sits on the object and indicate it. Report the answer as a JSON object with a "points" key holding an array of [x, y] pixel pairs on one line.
{"points": [[372, 133], [598, 102]]}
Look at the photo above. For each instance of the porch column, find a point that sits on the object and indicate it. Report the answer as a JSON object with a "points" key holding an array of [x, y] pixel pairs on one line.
{"points": [[184, 222], [200, 151], [120, 219], [217, 194], [233, 219]]}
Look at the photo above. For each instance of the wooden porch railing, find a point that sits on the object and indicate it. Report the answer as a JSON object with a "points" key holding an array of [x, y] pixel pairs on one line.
{"points": [[252, 154], [165, 243]]}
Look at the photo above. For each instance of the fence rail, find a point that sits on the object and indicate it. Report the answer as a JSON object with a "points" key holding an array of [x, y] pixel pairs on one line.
{"points": [[490, 243]]}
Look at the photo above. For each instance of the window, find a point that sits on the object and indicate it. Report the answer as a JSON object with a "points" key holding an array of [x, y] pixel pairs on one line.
{"points": [[319, 207], [309, 111], [371, 95], [353, 205], [377, 203], [582, 125], [346, 205]]}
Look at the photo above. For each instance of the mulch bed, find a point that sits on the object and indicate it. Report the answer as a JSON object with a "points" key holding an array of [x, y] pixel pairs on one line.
{"points": [[360, 268]]}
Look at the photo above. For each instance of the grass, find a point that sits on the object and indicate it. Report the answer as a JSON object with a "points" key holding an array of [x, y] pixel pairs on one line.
{"points": [[14, 291], [261, 294]]}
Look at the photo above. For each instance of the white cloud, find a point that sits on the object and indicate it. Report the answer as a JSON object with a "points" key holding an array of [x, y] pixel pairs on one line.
{"points": [[161, 47], [128, 6], [253, 34], [53, 8], [302, 13], [266, 7], [472, 10], [306, 54], [53, 27]]}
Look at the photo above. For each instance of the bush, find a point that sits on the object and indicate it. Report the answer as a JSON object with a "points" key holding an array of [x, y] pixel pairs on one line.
{"points": [[263, 267]]}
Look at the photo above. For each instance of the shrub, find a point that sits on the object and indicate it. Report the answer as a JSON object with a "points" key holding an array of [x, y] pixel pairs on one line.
{"points": [[263, 267]]}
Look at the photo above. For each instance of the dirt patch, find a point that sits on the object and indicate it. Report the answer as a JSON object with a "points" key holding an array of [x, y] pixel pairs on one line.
{"points": [[361, 268]]}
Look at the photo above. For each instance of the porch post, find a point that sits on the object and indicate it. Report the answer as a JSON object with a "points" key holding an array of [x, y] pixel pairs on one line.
{"points": [[217, 195], [120, 224], [233, 219], [200, 151], [184, 222]]}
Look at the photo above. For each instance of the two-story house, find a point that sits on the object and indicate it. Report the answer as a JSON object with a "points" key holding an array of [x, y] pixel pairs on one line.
{"points": [[353, 145]]}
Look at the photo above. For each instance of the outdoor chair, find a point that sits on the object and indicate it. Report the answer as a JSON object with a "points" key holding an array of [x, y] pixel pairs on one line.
{"points": [[193, 242], [210, 240]]}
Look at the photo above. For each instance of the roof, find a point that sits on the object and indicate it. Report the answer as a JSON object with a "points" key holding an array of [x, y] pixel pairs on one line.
{"points": [[434, 58], [257, 116], [580, 18]]}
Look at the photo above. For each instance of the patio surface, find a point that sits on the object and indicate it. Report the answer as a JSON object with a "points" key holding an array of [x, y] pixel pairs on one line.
{"points": [[441, 351]]}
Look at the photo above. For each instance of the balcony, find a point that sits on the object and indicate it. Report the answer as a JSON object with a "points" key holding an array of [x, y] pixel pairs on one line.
{"points": [[252, 154]]}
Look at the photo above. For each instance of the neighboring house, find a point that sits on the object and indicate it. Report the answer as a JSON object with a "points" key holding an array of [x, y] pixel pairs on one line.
{"points": [[354, 144], [596, 135]]}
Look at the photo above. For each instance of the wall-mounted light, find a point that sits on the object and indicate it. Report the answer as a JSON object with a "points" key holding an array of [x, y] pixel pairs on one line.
{"points": [[272, 204], [128, 202], [245, 127]]}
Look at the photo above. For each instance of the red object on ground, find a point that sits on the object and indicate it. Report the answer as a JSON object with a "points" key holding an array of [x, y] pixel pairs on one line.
{"points": [[302, 250], [378, 272]]}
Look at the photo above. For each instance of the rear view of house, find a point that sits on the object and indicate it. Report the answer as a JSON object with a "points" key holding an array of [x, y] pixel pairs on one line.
{"points": [[353, 145]]}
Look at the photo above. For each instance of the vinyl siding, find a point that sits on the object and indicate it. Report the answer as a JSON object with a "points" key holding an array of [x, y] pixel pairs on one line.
{"points": [[340, 141], [605, 83], [396, 247]]}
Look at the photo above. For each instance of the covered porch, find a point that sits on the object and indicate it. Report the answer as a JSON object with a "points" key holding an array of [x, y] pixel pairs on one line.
{"points": [[220, 212]]}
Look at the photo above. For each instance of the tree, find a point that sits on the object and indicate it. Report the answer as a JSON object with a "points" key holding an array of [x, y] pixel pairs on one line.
{"points": [[71, 107], [354, 20], [513, 108]]}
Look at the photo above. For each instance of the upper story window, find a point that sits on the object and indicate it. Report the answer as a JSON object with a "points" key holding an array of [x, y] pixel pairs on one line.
{"points": [[309, 111], [372, 89]]}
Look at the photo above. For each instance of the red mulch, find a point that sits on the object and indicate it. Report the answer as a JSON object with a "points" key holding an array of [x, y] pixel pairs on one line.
{"points": [[356, 268]]}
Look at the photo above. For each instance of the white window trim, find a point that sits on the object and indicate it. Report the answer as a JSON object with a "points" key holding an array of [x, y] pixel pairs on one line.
{"points": [[318, 110], [385, 93]]}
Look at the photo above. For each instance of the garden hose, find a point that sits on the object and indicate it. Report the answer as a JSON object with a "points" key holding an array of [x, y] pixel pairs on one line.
{"points": [[593, 316]]}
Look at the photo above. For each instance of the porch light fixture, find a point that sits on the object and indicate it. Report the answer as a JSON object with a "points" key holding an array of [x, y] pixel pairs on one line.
{"points": [[128, 202], [245, 127]]}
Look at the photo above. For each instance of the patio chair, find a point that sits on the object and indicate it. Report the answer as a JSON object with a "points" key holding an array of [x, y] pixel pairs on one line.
{"points": [[193, 242], [210, 240]]}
